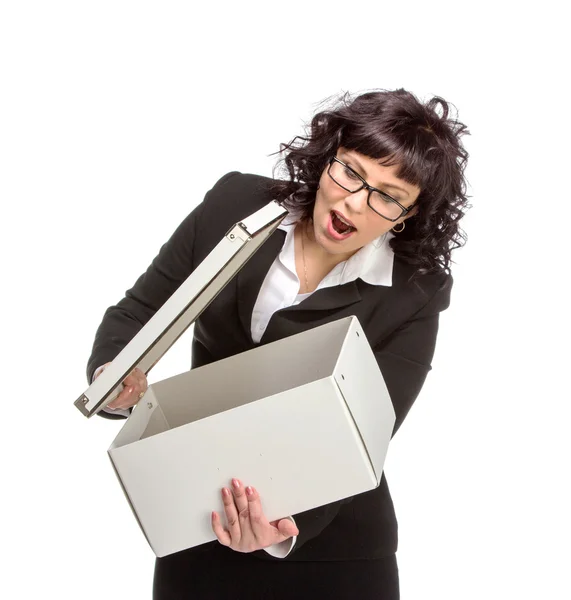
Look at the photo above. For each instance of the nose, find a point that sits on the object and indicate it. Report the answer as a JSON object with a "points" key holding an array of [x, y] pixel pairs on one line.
{"points": [[356, 203]]}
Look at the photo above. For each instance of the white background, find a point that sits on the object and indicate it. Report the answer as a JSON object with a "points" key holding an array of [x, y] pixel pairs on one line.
{"points": [[116, 118]]}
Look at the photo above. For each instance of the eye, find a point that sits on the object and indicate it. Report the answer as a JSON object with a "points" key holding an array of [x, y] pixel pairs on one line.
{"points": [[385, 198], [349, 173]]}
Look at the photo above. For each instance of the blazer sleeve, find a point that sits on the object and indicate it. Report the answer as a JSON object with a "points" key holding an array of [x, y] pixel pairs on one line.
{"points": [[168, 270], [404, 359]]}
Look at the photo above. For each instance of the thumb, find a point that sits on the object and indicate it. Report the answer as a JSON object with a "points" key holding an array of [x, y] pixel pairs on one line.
{"points": [[287, 528]]}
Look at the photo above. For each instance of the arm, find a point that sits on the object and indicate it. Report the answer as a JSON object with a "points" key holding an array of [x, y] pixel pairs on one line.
{"points": [[404, 359], [168, 270]]}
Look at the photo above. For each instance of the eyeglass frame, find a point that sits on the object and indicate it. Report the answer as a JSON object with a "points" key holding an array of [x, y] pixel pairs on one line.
{"points": [[370, 189]]}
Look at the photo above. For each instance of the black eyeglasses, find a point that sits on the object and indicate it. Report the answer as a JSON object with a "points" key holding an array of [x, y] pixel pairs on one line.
{"points": [[385, 206]]}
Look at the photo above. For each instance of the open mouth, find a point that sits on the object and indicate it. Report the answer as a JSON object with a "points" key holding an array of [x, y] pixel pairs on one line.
{"points": [[339, 226]]}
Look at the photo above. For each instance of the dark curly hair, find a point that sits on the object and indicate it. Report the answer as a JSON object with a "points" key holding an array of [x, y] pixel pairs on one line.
{"points": [[396, 127]]}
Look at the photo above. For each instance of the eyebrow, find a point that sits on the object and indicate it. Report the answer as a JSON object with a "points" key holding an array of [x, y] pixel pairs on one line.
{"points": [[388, 185]]}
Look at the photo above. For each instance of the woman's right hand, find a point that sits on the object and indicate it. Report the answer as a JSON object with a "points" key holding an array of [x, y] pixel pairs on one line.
{"points": [[134, 387]]}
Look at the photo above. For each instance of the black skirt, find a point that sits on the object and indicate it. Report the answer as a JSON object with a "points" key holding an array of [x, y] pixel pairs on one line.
{"points": [[217, 572]]}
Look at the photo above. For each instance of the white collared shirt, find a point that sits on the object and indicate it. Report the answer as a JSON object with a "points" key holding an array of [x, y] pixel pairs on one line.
{"points": [[373, 263]]}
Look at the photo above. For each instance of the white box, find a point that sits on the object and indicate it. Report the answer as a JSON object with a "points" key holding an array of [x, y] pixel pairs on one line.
{"points": [[306, 420]]}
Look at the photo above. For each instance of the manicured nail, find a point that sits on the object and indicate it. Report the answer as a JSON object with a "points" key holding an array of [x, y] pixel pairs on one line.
{"points": [[236, 483], [213, 515], [249, 491], [225, 492], [130, 390]]}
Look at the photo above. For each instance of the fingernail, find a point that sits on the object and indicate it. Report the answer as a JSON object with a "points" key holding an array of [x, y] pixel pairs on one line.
{"points": [[236, 483], [225, 492], [249, 491], [130, 390], [213, 516]]}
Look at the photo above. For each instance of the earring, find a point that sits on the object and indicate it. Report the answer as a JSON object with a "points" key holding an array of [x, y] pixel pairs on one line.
{"points": [[401, 229]]}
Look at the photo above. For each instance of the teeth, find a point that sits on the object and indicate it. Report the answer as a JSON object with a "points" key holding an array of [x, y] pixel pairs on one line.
{"points": [[342, 219]]}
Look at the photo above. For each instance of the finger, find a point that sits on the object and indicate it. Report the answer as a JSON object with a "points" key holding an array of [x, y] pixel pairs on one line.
{"points": [[141, 378], [139, 383], [134, 387], [221, 533], [231, 512], [136, 379], [246, 534], [240, 498], [125, 399], [260, 525]]}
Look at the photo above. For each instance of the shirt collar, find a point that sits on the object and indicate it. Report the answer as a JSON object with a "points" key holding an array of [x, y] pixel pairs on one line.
{"points": [[373, 263]]}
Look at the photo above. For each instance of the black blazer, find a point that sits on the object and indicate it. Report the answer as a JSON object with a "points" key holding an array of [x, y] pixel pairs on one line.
{"points": [[400, 322]]}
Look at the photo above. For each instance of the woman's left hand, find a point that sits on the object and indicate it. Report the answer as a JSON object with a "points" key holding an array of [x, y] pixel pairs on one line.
{"points": [[248, 529]]}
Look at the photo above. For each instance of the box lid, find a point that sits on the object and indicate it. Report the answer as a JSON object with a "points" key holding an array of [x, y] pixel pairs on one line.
{"points": [[184, 306]]}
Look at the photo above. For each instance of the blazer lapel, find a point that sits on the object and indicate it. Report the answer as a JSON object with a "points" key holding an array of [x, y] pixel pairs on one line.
{"points": [[323, 306], [330, 298], [250, 278]]}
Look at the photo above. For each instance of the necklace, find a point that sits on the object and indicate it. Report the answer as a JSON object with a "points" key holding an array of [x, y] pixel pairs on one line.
{"points": [[304, 265]]}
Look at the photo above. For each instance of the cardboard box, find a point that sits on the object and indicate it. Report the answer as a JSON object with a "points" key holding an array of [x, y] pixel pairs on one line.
{"points": [[306, 420]]}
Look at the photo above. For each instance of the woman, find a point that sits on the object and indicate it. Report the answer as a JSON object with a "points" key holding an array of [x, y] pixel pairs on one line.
{"points": [[375, 191]]}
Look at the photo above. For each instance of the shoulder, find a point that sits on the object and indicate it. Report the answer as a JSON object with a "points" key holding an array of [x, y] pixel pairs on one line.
{"points": [[245, 187], [425, 293], [231, 199], [236, 196]]}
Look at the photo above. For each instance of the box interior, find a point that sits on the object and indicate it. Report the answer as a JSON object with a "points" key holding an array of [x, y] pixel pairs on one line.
{"points": [[246, 377]]}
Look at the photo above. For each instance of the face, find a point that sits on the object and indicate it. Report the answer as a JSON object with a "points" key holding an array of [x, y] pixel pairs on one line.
{"points": [[354, 208]]}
